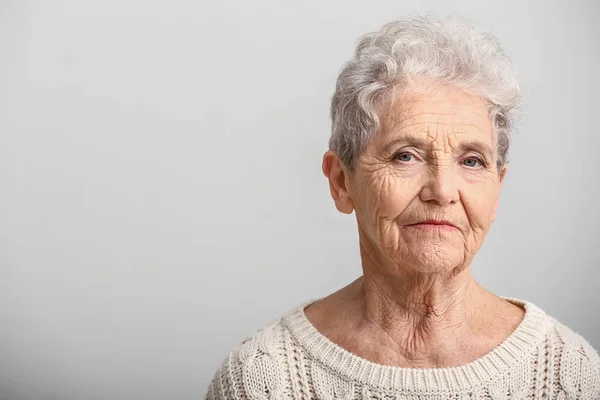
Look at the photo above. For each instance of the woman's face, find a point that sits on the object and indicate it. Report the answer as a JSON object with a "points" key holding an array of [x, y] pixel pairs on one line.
{"points": [[432, 160]]}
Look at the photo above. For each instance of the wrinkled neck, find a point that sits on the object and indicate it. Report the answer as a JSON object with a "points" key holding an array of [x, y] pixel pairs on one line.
{"points": [[419, 314], [420, 320], [427, 301]]}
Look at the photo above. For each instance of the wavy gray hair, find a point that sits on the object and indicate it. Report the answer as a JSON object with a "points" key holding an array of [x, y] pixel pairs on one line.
{"points": [[449, 50]]}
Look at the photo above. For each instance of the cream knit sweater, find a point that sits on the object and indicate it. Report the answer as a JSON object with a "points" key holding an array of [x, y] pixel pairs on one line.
{"points": [[290, 359]]}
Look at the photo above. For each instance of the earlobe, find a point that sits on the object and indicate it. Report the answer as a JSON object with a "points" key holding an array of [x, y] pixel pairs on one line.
{"points": [[334, 170]]}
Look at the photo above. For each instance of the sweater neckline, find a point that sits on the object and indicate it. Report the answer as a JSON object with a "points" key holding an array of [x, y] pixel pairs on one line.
{"points": [[513, 350]]}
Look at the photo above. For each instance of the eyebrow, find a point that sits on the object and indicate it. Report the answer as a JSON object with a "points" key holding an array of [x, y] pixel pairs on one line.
{"points": [[405, 141], [477, 146], [467, 145]]}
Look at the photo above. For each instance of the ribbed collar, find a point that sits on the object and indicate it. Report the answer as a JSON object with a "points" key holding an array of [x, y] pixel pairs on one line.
{"points": [[513, 350]]}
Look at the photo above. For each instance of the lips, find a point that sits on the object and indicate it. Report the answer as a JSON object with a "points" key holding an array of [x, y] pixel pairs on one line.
{"points": [[433, 223]]}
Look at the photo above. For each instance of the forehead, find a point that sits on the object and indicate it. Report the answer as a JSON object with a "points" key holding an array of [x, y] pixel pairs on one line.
{"points": [[441, 114]]}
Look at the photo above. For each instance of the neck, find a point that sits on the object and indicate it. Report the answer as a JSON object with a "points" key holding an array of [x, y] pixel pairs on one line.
{"points": [[421, 318], [431, 306]]}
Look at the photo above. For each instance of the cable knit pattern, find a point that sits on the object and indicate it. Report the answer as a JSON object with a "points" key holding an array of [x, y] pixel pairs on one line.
{"points": [[579, 367], [290, 359]]}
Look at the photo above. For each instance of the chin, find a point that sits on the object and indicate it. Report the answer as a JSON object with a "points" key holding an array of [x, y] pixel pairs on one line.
{"points": [[433, 260]]}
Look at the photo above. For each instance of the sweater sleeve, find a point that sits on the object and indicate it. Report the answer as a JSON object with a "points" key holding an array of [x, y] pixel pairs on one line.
{"points": [[226, 385], [251, 371]]}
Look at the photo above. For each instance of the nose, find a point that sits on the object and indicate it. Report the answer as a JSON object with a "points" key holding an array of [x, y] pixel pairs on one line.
{"points": [[440, 188]]}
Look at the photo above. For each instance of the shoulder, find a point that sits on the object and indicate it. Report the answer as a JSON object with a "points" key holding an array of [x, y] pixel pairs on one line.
{"points": [[253, 368], [579, 363]]}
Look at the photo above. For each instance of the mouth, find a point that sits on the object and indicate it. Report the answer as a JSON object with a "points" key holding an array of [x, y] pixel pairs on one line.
{"points": [[440, 225]]}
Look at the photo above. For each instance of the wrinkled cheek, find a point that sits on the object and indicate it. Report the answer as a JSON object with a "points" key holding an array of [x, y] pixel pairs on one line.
{"points": [[472, 243], [392, 195], [389, 234], [480, 212], [381, 229], [480, 217], [388, 201]]}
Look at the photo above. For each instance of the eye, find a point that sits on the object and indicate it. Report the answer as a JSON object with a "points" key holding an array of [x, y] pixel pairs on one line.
{"points": [[473, 162], [404, 157]]}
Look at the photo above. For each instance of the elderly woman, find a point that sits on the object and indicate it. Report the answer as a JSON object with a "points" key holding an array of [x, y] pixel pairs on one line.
{"points": [[421, 120]]}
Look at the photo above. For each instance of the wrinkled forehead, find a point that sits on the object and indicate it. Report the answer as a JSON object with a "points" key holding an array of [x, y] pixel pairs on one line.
{"points": [[438, 117]]}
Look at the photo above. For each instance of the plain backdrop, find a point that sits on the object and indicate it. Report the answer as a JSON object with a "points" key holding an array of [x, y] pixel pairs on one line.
{"points": [[161, 187]]}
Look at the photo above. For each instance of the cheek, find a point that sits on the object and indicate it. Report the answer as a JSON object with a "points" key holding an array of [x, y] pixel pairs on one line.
{"points": [[389, 195], [479, 202]]}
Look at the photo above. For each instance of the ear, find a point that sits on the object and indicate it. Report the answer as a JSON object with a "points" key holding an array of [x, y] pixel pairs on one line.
{"points": [[334, 170], [501, 177]]}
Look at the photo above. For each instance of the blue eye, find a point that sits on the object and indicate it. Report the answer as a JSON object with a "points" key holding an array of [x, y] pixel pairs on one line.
{"points": [[405, 157], [473, 162]]}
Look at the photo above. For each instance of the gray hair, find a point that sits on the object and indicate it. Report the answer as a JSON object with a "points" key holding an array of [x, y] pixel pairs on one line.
{"points": [[449, 50]]}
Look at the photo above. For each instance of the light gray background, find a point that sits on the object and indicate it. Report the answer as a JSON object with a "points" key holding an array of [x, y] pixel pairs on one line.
{"points": [[162, 196]]}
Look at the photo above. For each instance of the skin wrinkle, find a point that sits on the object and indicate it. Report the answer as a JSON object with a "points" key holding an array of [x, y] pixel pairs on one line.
{"points": [[417, 303], [413, 341]]}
